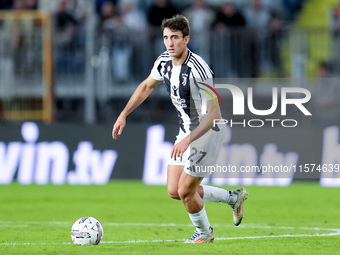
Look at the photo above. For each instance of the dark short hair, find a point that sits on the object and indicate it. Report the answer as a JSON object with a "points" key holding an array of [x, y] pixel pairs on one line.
{"points": [[177, 23]]}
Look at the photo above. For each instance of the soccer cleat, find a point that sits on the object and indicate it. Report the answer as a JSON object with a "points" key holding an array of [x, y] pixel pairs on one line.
{"points": [[201, 237], [238, 206]]}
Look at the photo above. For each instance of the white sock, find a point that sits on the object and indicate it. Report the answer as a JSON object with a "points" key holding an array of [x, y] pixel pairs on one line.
{"points": [[200, 220], [217, 195]]}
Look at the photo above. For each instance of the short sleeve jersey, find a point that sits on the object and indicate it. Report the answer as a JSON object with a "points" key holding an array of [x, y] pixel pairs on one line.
{"points": [[183, 85]]}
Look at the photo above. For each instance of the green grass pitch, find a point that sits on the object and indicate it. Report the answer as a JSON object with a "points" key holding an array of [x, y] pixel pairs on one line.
{"points": [[303, 218]]}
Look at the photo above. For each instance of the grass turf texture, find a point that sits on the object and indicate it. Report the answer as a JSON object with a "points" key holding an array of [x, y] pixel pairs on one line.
{"points": [[300, 219]]}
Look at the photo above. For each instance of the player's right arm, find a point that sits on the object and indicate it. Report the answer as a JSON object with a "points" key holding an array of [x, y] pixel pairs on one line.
{"points": [[141, 93]]}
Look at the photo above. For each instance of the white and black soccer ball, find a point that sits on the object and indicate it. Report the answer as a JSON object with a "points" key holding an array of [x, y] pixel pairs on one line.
{"points": [[87, 231]]}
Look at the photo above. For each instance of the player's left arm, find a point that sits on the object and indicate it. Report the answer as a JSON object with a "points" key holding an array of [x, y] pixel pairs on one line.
{"points": [[213, 112]]}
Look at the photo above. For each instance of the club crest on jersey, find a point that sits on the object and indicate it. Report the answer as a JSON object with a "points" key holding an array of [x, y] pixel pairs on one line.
{"points": [[184, 79], [174, 90]]}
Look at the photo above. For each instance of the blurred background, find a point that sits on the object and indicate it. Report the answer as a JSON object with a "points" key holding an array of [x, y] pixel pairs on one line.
{"points": [[69, 67]]}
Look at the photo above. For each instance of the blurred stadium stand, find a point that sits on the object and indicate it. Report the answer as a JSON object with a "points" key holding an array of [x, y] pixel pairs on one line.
{"points": [[99, 57]]}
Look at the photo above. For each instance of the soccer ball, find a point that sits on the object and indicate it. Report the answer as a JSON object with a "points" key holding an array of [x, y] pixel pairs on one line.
{"points": [[87, 231]]}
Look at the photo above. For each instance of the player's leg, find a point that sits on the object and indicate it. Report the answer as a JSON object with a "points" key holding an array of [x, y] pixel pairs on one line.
{"points": [[216, 195], [174, 173], [233, 198], [208, 193], [187, 191], [210, 145]]}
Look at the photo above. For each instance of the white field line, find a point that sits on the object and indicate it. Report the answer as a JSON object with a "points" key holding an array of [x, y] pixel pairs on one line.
{"points": [[333, 232], [229, 238]]}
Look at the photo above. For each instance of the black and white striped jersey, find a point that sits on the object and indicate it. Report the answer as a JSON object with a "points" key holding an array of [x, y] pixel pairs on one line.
{"points": [[182, 84]]}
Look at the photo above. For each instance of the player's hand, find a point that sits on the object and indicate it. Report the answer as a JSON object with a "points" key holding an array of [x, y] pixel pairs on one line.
{"points": [[179, 148], [118, 127]]}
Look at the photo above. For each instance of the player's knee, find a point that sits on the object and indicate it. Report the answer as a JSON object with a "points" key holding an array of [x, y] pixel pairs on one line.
{"points": [[184, 193], [173, 194]]}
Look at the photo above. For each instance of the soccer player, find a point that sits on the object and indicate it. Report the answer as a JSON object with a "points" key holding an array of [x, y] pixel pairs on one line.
{"points": [[198, 142]]}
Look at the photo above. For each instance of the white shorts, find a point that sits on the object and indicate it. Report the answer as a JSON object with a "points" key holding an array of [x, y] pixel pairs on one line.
{"points": [[202, 153]]}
